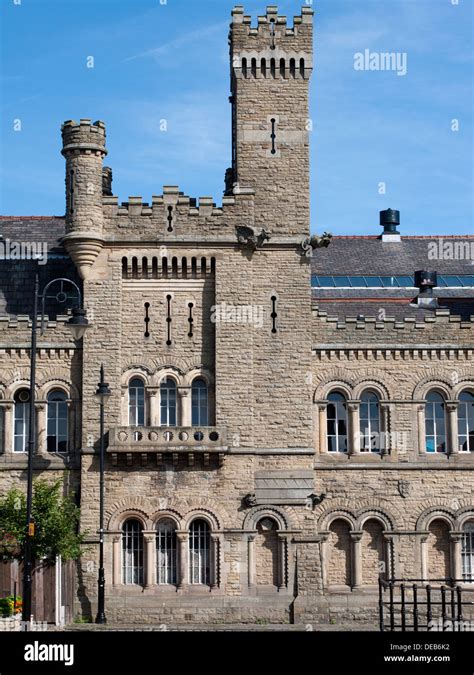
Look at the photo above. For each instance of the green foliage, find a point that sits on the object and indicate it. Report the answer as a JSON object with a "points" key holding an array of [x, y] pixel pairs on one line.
{"points": [[8, 606], [56, 521]]}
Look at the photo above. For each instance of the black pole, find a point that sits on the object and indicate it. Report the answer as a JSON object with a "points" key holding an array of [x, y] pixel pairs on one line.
{"points": [[27, 563], [101, 580]]}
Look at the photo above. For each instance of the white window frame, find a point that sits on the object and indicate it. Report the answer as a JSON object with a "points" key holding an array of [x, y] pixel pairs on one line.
{"points": [[56, 418], [201, 393], [132, 558], [366, 423], [24, 421], [468, 437], [134, 407], [337, 421], [166, 552], [167, 402], [467, 553], [200, 555], [430, 405]]}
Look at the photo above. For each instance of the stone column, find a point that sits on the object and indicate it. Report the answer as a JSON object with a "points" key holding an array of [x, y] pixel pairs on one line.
{"points": [[385, 441], [322, 415], [353, 432], [214, 566], [420, 411], [424, 556], [452, 435], [117, 558], [41, 428], [356, 537], [281, 562], [154, 407], [251, 560], [388, 541], [183, 578], [149, 537], [71, 427], [124, 407], [324, 560], [184, 413], [8, 428], [456, 545]]}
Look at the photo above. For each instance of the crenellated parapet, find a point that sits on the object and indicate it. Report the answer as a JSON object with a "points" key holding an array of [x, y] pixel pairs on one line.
{"points": [[272, 49], [173, 215], [439, 328]]}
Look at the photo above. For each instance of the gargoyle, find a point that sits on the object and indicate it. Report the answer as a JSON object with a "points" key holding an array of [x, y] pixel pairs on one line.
{"points": [[247, 237], [310, 243], [250, 500], [314, 500]]}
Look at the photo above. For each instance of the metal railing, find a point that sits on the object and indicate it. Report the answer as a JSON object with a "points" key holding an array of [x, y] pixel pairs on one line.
{"points": [[424, 605]]}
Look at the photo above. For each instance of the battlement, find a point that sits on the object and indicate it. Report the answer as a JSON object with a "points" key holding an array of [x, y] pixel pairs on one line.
{"points": [[264, 27], [83, 137], [439, 316], [172, 199], [272, 40]]}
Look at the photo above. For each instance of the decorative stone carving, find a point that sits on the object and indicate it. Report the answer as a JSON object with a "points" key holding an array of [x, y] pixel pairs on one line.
{"points": [[313, 500], [404, 488], [250, 238], [310, 243], [250, 500]]}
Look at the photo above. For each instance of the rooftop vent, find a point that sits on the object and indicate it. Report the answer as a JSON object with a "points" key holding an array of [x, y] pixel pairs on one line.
{"points": [[426, 281], [389, 220]]}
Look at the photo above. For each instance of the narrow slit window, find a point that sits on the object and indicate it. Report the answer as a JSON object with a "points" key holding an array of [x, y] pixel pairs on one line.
{"points": [[191, 320], [274, 314], [168, 320], [273, 135], [147, 319]]}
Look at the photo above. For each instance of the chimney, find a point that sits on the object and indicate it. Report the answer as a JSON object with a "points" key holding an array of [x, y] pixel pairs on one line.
{"points": [[426, 281], [389, 220]]}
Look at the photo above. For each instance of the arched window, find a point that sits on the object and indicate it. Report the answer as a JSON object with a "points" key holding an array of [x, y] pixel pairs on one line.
{"points": [[166, 552], [369, 422], [57, 438], [168, 403], [337, 422], [467, 552], [466, 422], [136, 403], [21, 420], [199, 403], [199, 553], [132, 552], [435, 423]]}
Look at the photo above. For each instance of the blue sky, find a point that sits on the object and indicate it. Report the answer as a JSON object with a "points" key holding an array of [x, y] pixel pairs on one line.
{"points": [[156, 61]]}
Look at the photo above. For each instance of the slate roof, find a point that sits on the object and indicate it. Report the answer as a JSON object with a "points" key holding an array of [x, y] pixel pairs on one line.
{"points": [[17, 276], [369, 256]]}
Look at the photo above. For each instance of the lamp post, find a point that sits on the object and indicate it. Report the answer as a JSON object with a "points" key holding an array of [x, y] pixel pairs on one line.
{"points": [[103, 392], [78, 324]]}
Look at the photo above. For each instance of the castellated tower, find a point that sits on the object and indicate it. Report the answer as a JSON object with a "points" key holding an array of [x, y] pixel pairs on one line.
{"points": [[84, 150], [270, 70]]}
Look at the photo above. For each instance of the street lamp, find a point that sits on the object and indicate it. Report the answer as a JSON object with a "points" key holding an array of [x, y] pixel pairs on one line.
{"points": [[103, 392], [78, 324]]}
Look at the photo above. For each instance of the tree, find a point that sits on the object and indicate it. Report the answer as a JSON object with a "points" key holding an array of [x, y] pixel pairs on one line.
{"points": [[56, 519]]}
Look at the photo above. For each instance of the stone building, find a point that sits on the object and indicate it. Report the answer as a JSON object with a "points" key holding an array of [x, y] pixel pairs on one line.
{"points": [[287, 420]]}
